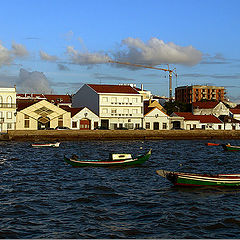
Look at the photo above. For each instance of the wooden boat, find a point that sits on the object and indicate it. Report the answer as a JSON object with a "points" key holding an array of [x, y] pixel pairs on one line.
{"points": [[212, 144], [46, 144], [198, 180], [114, 160], [229, 147]]}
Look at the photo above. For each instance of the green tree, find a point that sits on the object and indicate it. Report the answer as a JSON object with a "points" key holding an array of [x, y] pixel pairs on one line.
{"points": [[176, 106]]}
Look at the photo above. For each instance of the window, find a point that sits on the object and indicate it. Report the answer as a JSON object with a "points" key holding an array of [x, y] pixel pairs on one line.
{"points": [[114, 111], [104, 99], [26, 121], [164, 126], [9, 126], [60, 121], [9, 115], [147, 125], [104, 110], [114, 99], [134, 100], [125, 100], [135, 111], [74, 124], [137, 125], [125, 111], [219, 127]]}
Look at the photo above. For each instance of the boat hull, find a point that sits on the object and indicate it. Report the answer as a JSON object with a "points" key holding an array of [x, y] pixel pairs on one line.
{"points": [[230, 148], [107, 163], [201, 180], [47, 145]]}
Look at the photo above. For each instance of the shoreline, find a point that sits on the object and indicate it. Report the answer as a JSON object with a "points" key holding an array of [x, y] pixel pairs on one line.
{"points": [[85, 135]]}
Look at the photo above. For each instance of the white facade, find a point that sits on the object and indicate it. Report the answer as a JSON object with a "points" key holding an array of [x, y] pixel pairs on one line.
{"points": [[84, 115], [7, 109], [219, 109], [115, 110], [156, 120]]}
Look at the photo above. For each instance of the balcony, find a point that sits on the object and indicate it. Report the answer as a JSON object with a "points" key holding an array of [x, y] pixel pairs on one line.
{"points": [[1, 119], [8, 105]]}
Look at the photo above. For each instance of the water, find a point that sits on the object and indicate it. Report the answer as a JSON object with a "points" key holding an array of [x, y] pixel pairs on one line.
{"points": [[42, 197]]}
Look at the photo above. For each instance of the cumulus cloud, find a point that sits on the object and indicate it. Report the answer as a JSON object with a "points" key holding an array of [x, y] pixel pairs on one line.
{"points": [[86, 58], [47, 57], [19, 50], [156, 52], [33, 82], [5, 56]]}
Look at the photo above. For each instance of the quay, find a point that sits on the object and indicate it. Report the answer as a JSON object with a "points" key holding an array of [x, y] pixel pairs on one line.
{"points": [[84, 135]]}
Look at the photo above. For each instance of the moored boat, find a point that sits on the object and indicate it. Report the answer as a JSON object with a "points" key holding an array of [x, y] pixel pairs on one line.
{"points": [[57, 144], [229, 147], [198, 180], [114, 160]]}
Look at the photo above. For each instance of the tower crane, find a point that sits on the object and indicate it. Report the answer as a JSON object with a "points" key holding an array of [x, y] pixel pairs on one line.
{"points": [[170, 72]]}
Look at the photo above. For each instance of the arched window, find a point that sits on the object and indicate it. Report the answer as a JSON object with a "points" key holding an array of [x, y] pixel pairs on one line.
{"points": [[9, 101]]}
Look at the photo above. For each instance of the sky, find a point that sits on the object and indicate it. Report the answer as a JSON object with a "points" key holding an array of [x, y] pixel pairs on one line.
{"points": [[56, 46]]}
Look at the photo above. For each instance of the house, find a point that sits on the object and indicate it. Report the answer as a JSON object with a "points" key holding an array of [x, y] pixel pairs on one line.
{"points": [[206, 122], [7, 109], [116, 105], [82, 118], [155, 118], [37, 115], [235, 113], [209, 108]]}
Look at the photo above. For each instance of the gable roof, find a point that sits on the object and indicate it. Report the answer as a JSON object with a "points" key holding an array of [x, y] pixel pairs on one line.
{"points": [[235, 110], [24, 103], [204, 105], [73, 111], [201, 118], [113, 88]]}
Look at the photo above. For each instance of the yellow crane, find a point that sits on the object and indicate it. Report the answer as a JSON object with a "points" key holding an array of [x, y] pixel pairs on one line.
{"points": [[170, 72]]}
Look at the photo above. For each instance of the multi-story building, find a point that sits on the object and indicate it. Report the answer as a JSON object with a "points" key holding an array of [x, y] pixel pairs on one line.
{"points": [[117, 106], [195, 93], [7, 109]]}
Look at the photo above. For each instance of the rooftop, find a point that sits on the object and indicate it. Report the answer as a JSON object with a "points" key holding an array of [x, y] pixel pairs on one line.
{"points": [[113, 88]]}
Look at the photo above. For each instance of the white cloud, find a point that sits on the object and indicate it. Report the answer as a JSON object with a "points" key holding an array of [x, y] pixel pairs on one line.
{"points": [[19, 50], [5, 56], [86, 58], [33, 82], [156, 52], [47, 57]]}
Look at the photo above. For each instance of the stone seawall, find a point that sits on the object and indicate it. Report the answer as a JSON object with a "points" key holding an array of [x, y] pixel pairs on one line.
{"points": [[75, 135]]}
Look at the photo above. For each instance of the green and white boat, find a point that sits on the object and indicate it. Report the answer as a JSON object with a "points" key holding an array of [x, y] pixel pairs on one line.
{"points": [[229, 147], [200, 180], [114, 160]]}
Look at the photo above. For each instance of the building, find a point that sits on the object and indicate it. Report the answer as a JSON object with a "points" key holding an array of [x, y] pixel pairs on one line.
{"points": [[209, 108], [117, 106], [195, 93], [7, 109], [205, 122], [82, 118], [155, 117], [37, 115]]}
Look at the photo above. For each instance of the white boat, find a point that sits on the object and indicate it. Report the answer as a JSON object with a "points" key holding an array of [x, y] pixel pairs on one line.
{"points": [[46, 144]]}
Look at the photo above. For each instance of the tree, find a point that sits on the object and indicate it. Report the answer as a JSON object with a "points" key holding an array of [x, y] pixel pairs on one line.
{"points": [[176, 106]]}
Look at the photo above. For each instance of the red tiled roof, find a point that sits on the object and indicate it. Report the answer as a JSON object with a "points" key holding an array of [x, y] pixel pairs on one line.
{"points": [[201, 118], [113, 88], [235, 110], [21, 104], [48, 97], [205, 105], [73, 111]]}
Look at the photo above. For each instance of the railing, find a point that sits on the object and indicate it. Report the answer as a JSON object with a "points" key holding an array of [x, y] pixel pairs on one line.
{"points": [[8, 105]]}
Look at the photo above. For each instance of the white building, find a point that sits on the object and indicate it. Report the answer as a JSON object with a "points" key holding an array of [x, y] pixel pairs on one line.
{"points": [[209, 108], [116, 105], [82, 118], [154, 116], [7, 109]]}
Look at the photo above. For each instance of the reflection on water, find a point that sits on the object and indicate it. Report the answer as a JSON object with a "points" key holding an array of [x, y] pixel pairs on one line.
{"points": [[42, 197]]}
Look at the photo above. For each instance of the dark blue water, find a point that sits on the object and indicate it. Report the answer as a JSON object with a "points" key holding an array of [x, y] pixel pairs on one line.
{"points": [[42, 197]]}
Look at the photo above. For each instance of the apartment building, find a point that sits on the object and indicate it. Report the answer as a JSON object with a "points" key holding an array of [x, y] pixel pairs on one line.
{"points": [[118, 106], [195, 93], [7, 109]]}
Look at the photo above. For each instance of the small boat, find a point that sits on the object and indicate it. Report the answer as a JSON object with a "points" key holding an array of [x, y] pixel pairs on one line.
{"points": [[114, 160], [229, 147], [46, 144], [212, 144], [200, 180]]}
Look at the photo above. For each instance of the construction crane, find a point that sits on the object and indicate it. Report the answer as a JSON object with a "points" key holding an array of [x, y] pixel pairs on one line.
{"points": [[170, 72]]}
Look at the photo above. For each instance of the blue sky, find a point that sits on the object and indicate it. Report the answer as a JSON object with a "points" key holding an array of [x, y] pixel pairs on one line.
{"points": [[55, 46]]}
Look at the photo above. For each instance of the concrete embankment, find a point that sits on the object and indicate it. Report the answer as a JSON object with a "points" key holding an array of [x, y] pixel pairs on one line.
{"points": [[80, 135]]}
